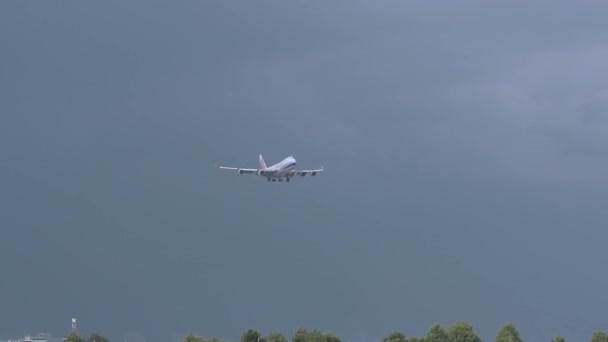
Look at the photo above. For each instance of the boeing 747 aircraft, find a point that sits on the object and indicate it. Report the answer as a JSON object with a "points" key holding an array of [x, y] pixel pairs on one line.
{"points": [[285, 168]]}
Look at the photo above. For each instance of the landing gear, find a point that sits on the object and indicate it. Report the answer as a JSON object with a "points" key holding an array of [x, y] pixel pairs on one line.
{"points": [[280, 179]]}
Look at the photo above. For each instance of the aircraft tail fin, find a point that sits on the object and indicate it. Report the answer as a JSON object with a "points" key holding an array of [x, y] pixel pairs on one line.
{"points": [[261, 161]]}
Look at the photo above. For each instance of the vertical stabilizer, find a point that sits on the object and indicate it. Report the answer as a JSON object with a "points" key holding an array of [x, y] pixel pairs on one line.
{"points": [[262, 163]]}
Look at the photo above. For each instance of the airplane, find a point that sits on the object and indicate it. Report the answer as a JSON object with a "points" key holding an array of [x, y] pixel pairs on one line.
{"points": [[285, 168]]}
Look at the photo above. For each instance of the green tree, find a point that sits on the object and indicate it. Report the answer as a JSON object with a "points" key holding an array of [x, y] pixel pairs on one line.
{"points": [[436, 334], [251, 335], [416, 339], [329, 337], [74, 337], [508, 333], [275, 337], [300, 335], [461, 331], [558, 339], [599, 336], [314, 336], [96, 337], [192, 338], [395, 336]]}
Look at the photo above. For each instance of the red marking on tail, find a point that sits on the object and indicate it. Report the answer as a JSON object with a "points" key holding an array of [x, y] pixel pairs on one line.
{"points": [[262, 163]]}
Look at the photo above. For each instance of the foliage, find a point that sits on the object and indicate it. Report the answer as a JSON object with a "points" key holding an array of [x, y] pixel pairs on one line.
{"points": [[275, 337], [416, 339], [96, 337], [461, 331], [74, 337], [395, 336], [436, 334], [329, 337], [508, 333], [300, 335], [192, 338], [314, 336], [303, 335], [599, 336], [251, 335]]}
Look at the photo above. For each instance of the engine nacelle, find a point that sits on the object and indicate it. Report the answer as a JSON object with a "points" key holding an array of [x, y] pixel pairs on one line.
{"points": [[261, 173], [314, 173], [240, 172]]}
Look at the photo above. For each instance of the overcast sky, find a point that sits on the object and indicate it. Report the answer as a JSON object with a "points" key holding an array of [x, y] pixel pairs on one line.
{"points": [[465, 147]]}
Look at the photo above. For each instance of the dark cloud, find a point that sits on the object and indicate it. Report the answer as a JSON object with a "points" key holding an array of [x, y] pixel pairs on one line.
{"points": [[464, 146]]}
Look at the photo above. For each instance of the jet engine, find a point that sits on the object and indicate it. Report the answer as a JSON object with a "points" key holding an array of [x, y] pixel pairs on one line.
{"points": [[240, 172], [314, 173]]}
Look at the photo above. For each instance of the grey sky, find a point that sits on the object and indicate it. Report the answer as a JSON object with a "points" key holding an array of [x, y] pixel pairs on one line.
{"points": [[465, 147]]}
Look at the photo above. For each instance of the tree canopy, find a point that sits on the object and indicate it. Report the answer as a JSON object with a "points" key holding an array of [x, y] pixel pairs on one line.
{"points": [[599, 336], [508, 333], [462, 331], [459, 331], [395, 336], [275, 337], [436, 333], [74, 337], [93, 337], [251, 335]]}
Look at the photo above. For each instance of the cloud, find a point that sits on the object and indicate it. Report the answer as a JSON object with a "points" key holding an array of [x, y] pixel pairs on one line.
{"points": [[542, 118], [427, 87]]}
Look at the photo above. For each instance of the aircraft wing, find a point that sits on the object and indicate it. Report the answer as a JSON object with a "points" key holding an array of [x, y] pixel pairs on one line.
{"points": [[240, 170], [308, 172]]}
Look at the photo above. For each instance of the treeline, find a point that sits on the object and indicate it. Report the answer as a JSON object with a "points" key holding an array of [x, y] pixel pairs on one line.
{"points": [[459, 331], [93, 337]]}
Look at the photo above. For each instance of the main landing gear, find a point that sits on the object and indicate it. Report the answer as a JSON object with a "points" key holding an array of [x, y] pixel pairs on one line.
{"points": [[274, 179]]}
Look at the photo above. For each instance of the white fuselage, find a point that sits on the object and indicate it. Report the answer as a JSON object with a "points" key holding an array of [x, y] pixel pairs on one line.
{"points": [[283, 168]]}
